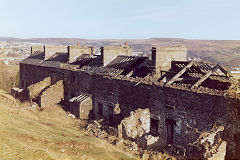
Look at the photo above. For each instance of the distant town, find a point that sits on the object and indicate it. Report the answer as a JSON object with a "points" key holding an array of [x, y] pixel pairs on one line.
{"points": [[14, 52]]}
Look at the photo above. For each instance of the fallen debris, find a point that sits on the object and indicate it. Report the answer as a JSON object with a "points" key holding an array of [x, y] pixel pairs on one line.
{"points": [[210, 146]]}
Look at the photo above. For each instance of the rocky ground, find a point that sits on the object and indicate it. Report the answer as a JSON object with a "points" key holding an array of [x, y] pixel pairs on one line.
{"points": [[102, 130]]}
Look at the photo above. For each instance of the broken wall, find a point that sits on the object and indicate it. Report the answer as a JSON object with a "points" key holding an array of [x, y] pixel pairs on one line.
{"points": [[85, 109], [81, 106], [52, 95], [34, 90], [105, 99], [183, 109], [195, 111], [31, 74], [136, 125]]}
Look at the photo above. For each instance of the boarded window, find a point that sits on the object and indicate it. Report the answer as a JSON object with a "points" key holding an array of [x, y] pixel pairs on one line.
{"points": [[154, 127], [100, 109], [170, 130]]}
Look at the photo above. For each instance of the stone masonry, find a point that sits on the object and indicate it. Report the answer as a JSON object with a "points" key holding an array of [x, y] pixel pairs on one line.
{"points": [[52, 95], [145, 109]]}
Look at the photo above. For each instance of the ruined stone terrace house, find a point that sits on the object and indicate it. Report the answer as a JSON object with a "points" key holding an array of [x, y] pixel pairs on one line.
{"points": [[183, 97]]}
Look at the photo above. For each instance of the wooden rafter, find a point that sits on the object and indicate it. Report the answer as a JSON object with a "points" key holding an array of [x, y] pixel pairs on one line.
{"points": [[208, 74], [180, 73]]}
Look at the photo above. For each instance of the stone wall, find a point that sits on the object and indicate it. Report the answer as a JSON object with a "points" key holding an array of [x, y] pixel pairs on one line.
{"points": [[85, 108], [31, 74], [52, 95], [105, 94], [186, 110], [82, 109], [20, 94], [34, 90]]}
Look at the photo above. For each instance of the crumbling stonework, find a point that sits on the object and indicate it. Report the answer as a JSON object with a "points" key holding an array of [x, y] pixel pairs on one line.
{"points": [[209, 145], [136, 125], [20, 94], [136, 128], [81, 106], [101, 129], [35, 89], [52, 95]]}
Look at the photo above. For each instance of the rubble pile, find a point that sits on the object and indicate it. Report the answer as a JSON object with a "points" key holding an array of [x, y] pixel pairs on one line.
{"points": [[96, 129], [210, 146], [101, 129]]}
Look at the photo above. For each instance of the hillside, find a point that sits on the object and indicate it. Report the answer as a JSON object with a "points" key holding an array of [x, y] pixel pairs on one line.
{"points": [[30, 134], [8, 76], [225, 52]]}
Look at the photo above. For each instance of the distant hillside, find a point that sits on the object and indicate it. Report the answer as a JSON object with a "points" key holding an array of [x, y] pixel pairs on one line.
{"points": [[225, 52]]}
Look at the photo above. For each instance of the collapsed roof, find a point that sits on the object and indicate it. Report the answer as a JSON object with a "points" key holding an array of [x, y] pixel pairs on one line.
{"points": [[186, 72], [198, 73]]}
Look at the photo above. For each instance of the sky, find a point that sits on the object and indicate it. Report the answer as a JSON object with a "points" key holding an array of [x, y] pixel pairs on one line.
{"points": [[121, 19]]}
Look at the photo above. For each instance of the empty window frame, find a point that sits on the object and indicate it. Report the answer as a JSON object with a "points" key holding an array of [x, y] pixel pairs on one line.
{"points": [[170, 130], [154, 126]]}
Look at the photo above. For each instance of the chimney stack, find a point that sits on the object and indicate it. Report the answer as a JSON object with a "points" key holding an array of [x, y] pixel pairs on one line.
{"points": [[162, 56], [76, 51], [35, 49], [108, 53]]}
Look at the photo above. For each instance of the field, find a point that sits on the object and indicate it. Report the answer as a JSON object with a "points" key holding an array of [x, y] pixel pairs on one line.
{"points": [[30, 134]]}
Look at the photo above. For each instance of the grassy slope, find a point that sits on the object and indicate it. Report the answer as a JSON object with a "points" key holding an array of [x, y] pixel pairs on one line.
{"points": [[49, 134], [8, 76]]}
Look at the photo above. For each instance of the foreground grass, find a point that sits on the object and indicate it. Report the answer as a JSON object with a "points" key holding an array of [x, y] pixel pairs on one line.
{"points": [[47, 135]]}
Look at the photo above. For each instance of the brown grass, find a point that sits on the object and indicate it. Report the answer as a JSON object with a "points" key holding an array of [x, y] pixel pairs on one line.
{"points": [[31, 134]]}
